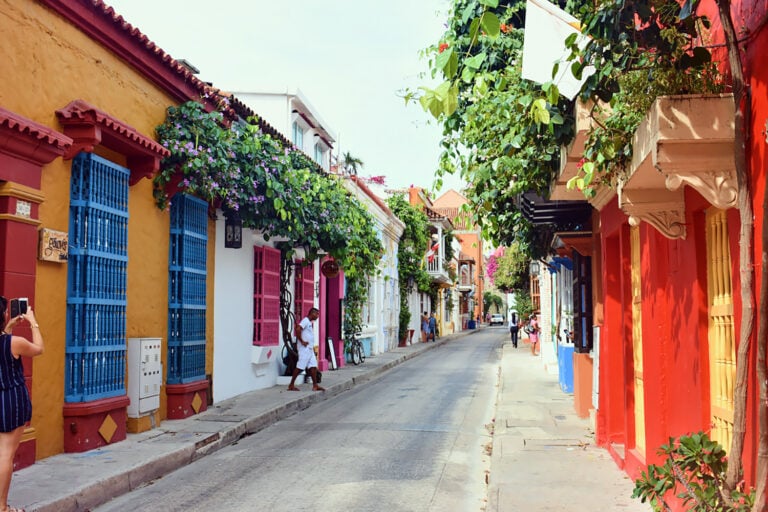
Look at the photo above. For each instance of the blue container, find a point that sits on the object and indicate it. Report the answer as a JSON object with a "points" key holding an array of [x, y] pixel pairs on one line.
{"points": [[565, 365], [471, 324]]}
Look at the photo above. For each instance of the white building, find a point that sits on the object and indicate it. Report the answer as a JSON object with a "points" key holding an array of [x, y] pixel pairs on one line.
{"points": [[381, 313], [247, 348], [291, 113]]}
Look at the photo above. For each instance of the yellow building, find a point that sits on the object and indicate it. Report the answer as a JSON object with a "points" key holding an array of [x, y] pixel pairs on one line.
{"points": [[82, 92]]}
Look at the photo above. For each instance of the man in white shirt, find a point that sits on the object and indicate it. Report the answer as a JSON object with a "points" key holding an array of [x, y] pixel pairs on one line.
{"points": [[305, 340]]}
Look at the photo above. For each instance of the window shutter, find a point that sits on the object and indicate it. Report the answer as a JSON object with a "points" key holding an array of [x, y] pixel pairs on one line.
{"points": [[266, 296], [187, 269], [582, 303], [304, 290], [258, 294], [96, 280]]}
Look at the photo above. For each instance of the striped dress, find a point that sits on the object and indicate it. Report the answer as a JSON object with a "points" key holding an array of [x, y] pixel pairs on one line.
{"points": [[15, 406]]}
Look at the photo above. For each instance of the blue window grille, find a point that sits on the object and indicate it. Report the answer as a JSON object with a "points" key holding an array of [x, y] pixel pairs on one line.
{"points": [[96, 280], [186, 289]]}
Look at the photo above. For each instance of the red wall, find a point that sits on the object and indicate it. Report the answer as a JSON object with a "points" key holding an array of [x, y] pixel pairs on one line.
{"points": [[674, 331]]}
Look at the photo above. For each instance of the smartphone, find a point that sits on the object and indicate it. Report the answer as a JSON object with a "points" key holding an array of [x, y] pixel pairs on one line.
{"points": [[18, 306]]}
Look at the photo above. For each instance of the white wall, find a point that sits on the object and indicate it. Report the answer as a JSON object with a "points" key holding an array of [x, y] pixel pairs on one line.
{"points": [[271, 108], [233, 372]]}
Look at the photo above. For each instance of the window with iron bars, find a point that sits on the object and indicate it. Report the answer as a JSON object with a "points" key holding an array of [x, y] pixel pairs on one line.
{"points": [[187, 267], [96, 280]]}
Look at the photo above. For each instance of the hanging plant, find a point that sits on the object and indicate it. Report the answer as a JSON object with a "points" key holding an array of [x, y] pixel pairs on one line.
{"points": [[276, 190], [410, 255]]}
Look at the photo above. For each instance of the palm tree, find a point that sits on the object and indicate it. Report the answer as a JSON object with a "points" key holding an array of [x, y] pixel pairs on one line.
{"points": [[350, 164]]}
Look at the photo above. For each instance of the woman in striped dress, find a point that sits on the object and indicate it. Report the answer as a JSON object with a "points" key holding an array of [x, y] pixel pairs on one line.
{"points": [[15, 406]]}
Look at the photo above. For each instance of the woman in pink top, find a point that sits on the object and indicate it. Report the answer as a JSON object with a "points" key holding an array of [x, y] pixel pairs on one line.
{"points": [[533, 334]]}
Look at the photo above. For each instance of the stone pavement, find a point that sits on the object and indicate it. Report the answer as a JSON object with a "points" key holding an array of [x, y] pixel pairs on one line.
{"points": [[542, 457], [78, 482]]}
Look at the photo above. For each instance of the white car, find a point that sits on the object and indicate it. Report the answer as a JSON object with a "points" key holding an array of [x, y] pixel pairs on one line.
{"points": [[497, 319]]}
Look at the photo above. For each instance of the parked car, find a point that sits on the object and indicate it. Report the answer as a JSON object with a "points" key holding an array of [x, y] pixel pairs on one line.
{"points": [[497, 319]]}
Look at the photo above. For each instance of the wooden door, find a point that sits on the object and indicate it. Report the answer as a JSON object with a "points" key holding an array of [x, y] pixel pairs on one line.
{"points": [[721, 333], [637, 341]]}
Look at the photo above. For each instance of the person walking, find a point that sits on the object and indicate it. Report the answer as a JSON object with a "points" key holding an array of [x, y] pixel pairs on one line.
{"points": [[15, 405], [432, 326], [305, 341], [424, 327], [514, 327], [533, 334]]}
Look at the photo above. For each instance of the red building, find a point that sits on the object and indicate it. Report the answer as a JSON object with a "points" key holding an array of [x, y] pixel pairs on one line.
{"points": [[667, 288]]}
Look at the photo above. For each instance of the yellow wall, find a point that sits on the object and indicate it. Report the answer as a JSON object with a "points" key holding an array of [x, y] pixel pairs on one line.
{"points": [[45, 63]]}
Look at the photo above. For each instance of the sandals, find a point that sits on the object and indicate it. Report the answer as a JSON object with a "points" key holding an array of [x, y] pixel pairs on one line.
{"points": [[318, 388], [293, 388]]}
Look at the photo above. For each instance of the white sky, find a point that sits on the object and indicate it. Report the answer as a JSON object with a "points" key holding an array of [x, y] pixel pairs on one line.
{"points": [[348, 57]]}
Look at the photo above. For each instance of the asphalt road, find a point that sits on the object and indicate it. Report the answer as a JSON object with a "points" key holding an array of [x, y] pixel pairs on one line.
{"points": [[416, 439]]}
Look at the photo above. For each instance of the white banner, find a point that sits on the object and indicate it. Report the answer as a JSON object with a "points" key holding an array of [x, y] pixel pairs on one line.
{"points": [[546, 29]]}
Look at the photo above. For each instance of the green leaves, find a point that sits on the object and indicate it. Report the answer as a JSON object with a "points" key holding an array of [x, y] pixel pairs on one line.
{"points": [[539, 111], [447, 62], [276, 190], [696, 466], [490, 24], [441, 101]]}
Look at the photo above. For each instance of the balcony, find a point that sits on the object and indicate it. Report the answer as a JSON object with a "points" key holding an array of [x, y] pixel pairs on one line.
{"points": [[683, 140], [465, 284], [436, 270], [570, 156]]}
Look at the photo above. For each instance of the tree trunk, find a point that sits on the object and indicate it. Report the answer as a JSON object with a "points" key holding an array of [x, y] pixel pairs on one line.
{"points": [[746, 272]]}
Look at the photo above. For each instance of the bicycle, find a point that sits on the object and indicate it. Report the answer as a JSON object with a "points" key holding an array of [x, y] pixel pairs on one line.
{"points": [[357, 352]]}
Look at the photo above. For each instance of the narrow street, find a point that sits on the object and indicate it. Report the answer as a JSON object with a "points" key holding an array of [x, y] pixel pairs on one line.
{"points": [[417, 439]]}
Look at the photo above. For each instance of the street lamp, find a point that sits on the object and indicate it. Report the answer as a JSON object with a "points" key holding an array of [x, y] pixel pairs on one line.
{"points": [[535, 268], [233, 231]]}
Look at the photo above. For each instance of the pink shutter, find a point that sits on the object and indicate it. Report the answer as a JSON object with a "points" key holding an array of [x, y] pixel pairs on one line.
{"points": [[304, 290], [298, 291], [258, 294], [270, 331], [308, 282]]}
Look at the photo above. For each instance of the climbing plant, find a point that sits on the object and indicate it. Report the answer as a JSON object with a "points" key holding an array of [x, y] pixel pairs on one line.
{"points": [[511, 270], [501, 133], [649, 49], [272, 188], [410, 255]]}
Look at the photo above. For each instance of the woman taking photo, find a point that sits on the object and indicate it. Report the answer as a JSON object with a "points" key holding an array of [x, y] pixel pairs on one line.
{"points": [[15, 406]]}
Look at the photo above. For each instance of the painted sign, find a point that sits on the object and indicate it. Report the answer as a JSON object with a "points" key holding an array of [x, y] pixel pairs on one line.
{"points": [[54, 245]]}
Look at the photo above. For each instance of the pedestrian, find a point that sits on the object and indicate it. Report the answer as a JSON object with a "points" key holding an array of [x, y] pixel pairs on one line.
{"points": [[533, 334], [15, 405], [305, 341], [514, 328], [432, 326], [424, 327]]}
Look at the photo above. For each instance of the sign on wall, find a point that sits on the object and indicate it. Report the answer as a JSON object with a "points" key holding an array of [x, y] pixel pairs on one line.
{"points": [[54, 245]]}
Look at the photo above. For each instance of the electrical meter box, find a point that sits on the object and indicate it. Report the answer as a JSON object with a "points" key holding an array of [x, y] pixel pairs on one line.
{"points": [[145, 376]]}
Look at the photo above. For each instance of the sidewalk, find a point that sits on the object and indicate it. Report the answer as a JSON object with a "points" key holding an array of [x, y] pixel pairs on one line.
{"points": [[78, 482], [544, 457]]}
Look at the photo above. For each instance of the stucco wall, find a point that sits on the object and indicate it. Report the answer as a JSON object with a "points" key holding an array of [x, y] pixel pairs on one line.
{"points": [[46, 63], [233, 372]]}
